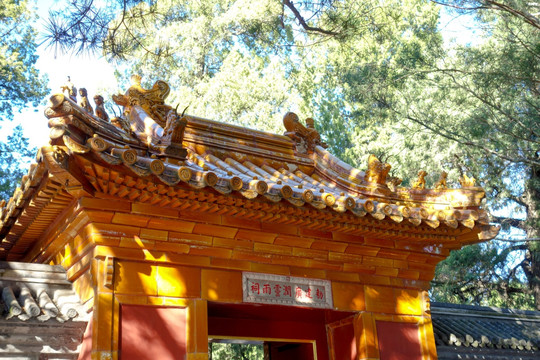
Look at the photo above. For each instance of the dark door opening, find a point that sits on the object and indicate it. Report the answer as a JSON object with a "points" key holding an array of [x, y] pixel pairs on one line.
{"points": [[287, 332]]}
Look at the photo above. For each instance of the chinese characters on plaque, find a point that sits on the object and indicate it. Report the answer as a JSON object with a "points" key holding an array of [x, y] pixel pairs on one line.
{"points": [[286, 290]]}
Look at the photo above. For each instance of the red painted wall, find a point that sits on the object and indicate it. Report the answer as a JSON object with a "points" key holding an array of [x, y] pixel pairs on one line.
{"points": [[344, 342], [398, 341], [152, 333]]}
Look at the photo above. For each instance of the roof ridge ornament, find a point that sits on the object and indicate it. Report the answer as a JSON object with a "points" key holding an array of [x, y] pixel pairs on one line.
{"points": [[158, 125], [306, 138], [467, 182], [377, 171], [441, 183], [152, 100], [420, 183]]}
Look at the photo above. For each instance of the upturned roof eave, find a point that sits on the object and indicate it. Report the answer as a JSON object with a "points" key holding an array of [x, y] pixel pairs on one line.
{"points": [[229, 160]]}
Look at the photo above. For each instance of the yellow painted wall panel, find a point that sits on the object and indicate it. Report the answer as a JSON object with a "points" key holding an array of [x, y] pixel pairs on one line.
{"points": [[409, 302], [102, 329], [197, 356], [348, 296], [221, 285], [178, 281], [135, 278], [201, 324], [380, 299]]}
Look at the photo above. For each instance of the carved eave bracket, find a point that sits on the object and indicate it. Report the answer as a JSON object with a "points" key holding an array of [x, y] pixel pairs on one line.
{"points": [[63, 167], [305, 138]]}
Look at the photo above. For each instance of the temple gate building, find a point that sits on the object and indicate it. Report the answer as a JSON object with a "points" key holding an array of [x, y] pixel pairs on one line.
{"points": [[176, 231]]}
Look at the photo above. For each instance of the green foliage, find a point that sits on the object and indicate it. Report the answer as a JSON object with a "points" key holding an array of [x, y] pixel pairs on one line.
{"points": [[228, 351], [15, 157], [480, 274], [20, 84], [495, 83], [220, 62]]}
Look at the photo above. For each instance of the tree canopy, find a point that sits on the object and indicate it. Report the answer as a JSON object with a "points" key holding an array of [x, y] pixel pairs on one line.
{"points": [[20, 84], [378, 78]]}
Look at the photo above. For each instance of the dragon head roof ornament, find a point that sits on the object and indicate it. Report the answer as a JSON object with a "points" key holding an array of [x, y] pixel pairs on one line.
{"points": [[158, 125]]}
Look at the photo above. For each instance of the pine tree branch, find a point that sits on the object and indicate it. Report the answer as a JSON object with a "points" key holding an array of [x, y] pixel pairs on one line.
{"points": [[528, 18], [492, 106], [503, 220], [494, 5], [459, 140], [303, 22]]}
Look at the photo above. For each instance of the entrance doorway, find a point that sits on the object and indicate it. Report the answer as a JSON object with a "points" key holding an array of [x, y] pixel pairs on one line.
{"points": [[286, 332]]}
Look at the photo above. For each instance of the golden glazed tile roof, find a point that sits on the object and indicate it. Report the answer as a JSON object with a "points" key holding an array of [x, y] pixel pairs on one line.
{"points": [[170, 160]]}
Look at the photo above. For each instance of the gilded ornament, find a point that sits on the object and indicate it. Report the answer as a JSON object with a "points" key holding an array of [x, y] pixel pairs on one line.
{"points": [[453, 223], [162, 128], [393, 183], [152, 101], [122, 124], [420, 183], [74, 146], [58, 107], [84, 101], [69, 90], [100, 108], [387, 209], [329, 199], [469, 223], [97, 143], [60, 156], [441, 183], [377, 171], [405, 211], [466, 181], [432, 223], [441, 215], [368, 205], [306, 137]]}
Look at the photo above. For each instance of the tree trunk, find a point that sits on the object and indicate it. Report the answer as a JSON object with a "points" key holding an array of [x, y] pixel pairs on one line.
{"points": [[531, 265]]}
